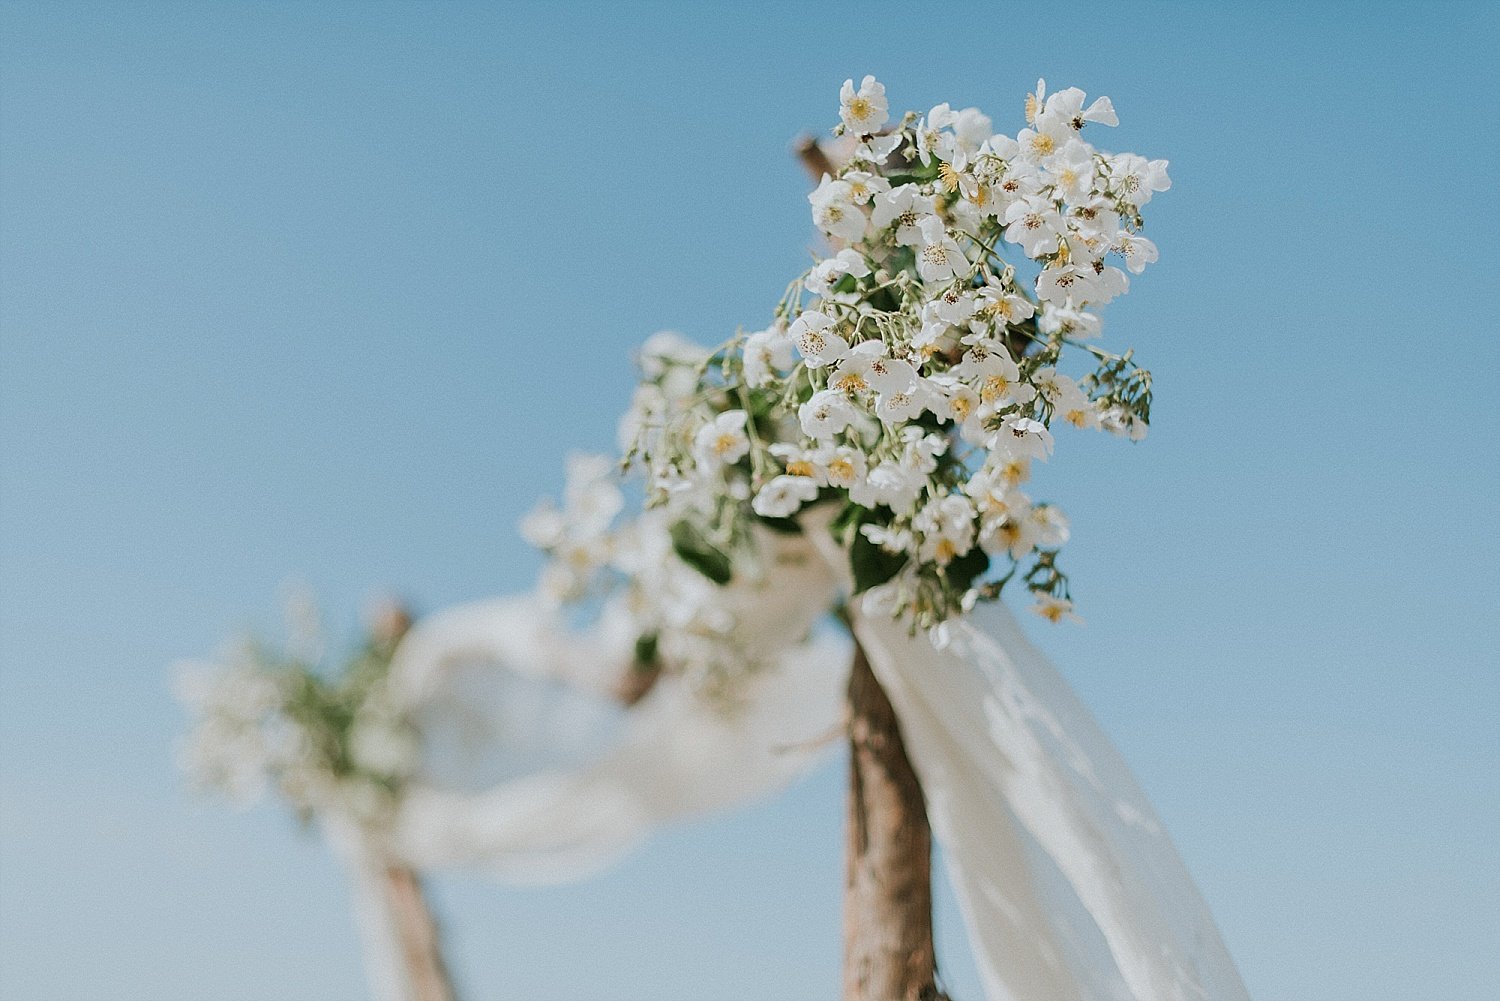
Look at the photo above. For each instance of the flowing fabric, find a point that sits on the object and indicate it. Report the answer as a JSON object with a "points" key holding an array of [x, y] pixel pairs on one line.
{"points": [[1069, 886], [534, 773]]}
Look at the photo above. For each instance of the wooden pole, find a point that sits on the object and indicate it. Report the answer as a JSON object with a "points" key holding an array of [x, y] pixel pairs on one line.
{"points": [[417, 935], [888, 946]]}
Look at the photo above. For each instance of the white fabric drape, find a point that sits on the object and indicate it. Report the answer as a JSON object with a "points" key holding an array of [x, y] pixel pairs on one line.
{"points": [[1069, 886], [534, 774]]}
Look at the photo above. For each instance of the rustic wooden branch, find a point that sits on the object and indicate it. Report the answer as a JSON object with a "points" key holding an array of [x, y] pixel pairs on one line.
{"points": [[888, 946], [417, 934]]}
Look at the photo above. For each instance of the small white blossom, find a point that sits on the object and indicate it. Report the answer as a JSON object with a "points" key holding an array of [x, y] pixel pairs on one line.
{"points": [[784, 495], [864, 110], [940, 258], [826, 414], [767, 354], [722, 442], [836, 212], [905, 207], [1054, 609], [815, 338]]}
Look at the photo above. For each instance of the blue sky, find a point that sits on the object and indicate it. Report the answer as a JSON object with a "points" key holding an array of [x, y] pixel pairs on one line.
{"points": [[324, 292]]}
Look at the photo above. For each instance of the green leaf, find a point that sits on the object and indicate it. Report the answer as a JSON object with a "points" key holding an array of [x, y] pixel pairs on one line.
{"points": [[966, 569], [697, 552], [645, 649], [785, 526], [872, 565]]}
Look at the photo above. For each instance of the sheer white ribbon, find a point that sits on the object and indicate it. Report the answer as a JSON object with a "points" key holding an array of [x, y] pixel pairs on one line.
{"points": [[1069, 886]]}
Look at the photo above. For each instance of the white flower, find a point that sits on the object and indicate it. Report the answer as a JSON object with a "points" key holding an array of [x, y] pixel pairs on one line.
{"points": [[865, 110], [722, 442], [1137, 251], [1035, 225], [994, 494], [1050, 523], [932, 140], [1000, 302], [798, 461], [903, 405], [1135, 179], [945, 528], [1054, 609], [1071, 170], [987, 366], [1023, 437], [671, 360], [962, 406], [866, 367], [828, 272], [835, 212], [1065, 283], [813, 334], [843, 466], [1061, 392], [940, 258], [876, 149], [888, 537], [906, 207], [891, 484], [1011, 533], [864, 186], [826, 414], [1068, 319], [1065, 110], [1081, 413], [767, 353], [972, 128], [782, 497]]}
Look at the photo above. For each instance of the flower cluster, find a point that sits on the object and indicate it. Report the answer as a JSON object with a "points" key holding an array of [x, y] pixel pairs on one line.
{"points": [[911, 379], [663, 580], [322, 740]]}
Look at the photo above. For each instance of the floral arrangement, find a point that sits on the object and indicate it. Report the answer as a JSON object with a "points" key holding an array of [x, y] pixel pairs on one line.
{"points": [[909, 380], [325, 737]]}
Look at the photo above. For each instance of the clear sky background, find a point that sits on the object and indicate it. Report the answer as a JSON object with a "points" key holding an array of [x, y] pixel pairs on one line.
{"points": [[325, 292]]}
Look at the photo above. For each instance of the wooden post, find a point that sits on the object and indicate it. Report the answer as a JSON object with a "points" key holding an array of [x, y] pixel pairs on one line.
{"points": [[888, 947], [417, 935]]}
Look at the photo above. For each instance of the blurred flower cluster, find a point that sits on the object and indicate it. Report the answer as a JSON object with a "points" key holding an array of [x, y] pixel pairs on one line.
{"points": [[324, 737], [652, 580], [909, 380]]}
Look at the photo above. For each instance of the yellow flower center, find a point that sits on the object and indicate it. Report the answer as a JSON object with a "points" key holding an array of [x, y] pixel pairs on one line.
{"points": [[799, 467], [726, 443], [850, 382], [859, 109], [994, 387]]}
